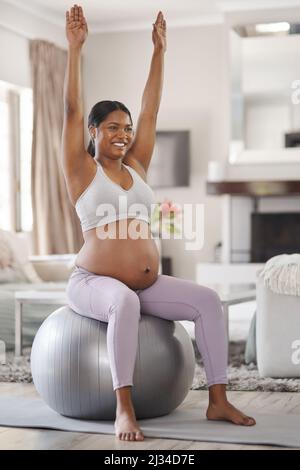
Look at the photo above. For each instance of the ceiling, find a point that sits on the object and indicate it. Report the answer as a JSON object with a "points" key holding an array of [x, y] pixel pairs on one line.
{"points": [[120, 15]]}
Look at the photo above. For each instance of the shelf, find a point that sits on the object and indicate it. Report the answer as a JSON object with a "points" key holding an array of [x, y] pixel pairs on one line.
{"points": [[253, 188]]}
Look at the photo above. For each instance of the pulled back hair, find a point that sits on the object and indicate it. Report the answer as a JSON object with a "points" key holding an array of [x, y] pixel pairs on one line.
{"points": [[99, 113]]}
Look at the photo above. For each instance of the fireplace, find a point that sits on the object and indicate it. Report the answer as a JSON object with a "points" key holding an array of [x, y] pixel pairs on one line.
{"points": [[260, 217], [273, 234]]}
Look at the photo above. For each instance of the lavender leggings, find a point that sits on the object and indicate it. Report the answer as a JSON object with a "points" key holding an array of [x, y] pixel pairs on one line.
{"points": [[109, 300]]}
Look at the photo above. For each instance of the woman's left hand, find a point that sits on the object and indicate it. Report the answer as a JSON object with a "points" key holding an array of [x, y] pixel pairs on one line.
{"points": [[159, 33]]}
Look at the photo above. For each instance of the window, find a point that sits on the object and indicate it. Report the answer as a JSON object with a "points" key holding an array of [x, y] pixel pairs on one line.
{"points": [[5, 194], [26, 118], [16, 116]]}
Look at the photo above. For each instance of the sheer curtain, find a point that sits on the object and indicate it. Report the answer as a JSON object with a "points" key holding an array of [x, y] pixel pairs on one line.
{"points": [[56, 227]]}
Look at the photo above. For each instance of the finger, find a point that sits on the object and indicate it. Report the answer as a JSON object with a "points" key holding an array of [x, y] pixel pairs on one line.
{"points": [[162, 26], [67, 17], [76, 12], [159, 21], [72, 14], [81, 16], [157, 17]]}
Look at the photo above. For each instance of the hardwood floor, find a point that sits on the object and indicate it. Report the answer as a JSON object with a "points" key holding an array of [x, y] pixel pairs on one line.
{"points": [[255, 402]]}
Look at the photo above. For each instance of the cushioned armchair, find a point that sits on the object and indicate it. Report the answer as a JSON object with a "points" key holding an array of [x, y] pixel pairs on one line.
{"points": [[277, 333]]}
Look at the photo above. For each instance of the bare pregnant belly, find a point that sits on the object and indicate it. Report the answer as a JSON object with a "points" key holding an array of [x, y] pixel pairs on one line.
{"points": [[135, 262]]}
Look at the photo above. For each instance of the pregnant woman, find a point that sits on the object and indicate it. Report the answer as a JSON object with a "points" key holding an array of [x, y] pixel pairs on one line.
{"points": [[116, 276]]}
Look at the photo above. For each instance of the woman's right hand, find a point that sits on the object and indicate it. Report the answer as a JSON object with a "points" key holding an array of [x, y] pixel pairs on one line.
{"points": [[76, 26]]}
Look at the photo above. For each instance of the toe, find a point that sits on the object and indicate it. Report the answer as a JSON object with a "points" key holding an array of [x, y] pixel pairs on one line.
{"points": [[251, 421], [248, 421], [139, 436]]}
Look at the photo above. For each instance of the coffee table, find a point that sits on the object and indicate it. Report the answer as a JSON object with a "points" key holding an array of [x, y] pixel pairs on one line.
{"points": [[232, 295], [33, 297]]}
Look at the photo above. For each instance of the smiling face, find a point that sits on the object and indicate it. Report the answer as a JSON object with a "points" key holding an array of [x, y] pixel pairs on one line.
{"points": [[114, 135]]}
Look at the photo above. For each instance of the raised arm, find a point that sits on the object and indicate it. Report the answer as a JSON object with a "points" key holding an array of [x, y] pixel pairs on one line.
{"points": [[73, 150], [143, 144]]}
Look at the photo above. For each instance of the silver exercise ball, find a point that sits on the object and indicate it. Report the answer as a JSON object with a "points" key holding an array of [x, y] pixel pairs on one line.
{"points": [[71, 371]]}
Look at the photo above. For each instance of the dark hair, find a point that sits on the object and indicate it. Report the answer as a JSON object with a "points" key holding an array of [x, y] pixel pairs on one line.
{"points": [[98, 114]]}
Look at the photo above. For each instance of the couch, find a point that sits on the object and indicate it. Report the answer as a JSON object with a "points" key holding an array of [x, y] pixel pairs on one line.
{"points": [[54, 274]]}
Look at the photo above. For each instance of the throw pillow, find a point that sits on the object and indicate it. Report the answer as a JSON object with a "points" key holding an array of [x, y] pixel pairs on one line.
{"points": [[19, 262], [5, 253], [9, 272]]}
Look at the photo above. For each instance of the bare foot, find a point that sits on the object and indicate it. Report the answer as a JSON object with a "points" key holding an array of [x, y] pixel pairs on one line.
{"points": [[224, 411], [126, 427]]}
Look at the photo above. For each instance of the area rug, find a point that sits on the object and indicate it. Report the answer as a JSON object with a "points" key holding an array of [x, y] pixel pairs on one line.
{"points": [[242, 377], [181, 424]]}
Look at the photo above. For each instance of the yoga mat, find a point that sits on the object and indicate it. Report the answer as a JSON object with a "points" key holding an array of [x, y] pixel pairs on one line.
{"points": [[279, 430]]}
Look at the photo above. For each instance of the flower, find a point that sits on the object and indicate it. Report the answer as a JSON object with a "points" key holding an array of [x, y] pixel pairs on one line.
{"points": [[166, 218], [167, 207]]}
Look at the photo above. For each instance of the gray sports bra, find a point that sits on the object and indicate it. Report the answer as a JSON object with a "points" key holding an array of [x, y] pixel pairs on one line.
{"points": [[105, 201]]}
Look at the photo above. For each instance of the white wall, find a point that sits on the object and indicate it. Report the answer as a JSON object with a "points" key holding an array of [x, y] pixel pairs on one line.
{"points": [[269, 67], [14, 60], [237, 100], [270, 64], [253, 171], [16, 27], [116, 68]]}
